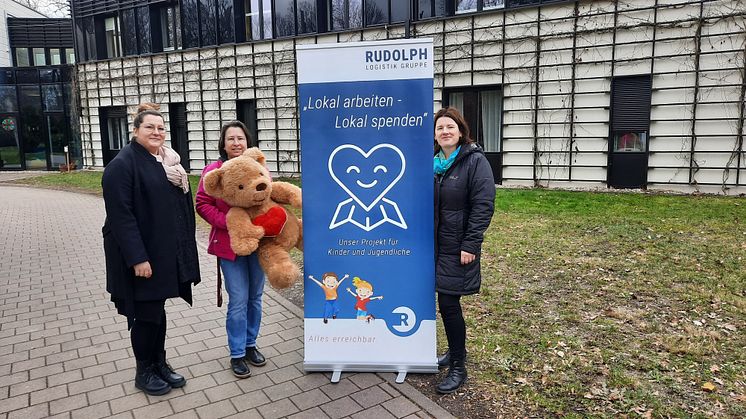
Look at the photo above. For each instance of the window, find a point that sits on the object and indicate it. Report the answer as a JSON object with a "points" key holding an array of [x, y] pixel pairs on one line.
{"points": [[190, 23], [630, 110], [113, 37], [284, 17], [226, 30], [346, 14], [482, 109], [8, 101], [22, 59], [399, 11], [258, 19], [51, 96], [55, 56], [40, 57], [129, 27], [494, 4], [430, 8], [170, 28], [630, 141], [208, 29], [69, 56], [306, 16], [376, 12], [143, 30], [466, 6], [117, 130]]}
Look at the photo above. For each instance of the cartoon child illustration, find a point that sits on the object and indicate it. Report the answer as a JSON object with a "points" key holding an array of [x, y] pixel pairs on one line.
{"points": [[330, 285], [363, 292]]}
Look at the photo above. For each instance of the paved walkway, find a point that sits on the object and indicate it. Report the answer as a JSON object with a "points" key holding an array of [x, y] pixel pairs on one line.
{"points": [[64, 352]]}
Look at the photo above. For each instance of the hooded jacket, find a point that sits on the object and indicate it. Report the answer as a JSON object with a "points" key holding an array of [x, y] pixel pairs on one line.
{"points": [[464, 204]]}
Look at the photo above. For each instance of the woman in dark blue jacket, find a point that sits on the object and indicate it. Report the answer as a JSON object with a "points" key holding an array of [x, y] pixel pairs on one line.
{"points": [[464, 203], [149, 243]]}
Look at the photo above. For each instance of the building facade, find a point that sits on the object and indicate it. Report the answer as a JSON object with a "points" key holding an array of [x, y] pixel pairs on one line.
{"points": [[38, 118], [624, 94]]}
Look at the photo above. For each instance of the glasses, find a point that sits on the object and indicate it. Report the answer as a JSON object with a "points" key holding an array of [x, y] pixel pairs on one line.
{"points": [[235, 140], [151, 128]]}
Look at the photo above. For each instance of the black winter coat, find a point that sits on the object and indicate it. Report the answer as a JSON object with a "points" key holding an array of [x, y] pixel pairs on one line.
{"points": [[147, 219], [464, 203]]}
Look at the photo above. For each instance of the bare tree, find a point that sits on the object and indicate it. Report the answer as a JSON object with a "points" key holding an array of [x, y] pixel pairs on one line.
{"points": [[51, 8]]}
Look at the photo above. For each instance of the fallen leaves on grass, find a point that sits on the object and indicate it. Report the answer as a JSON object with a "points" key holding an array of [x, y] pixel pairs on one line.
{"points": [[708, 387]]}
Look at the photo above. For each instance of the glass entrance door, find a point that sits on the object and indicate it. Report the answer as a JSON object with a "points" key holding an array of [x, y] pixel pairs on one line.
{"points": [[32, 128], [10, 149]]}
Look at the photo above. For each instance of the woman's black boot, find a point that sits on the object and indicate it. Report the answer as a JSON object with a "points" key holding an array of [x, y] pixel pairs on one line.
{"points": [[167, 373], [147, 380], [454, 379], [445, 360]]}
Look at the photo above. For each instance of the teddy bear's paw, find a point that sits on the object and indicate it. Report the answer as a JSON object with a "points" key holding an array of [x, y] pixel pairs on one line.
{"points": [[283, 275], [245, 247]]}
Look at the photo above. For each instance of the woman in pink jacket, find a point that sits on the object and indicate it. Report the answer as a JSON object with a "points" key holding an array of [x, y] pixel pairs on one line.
{"points": [[244, 278]]}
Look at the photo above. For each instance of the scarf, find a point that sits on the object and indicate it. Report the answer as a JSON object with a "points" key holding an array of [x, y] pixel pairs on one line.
{"points": [[441, 164], [175, 173]]}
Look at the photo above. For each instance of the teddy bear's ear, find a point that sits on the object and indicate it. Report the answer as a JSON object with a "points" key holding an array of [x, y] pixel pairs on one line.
{"points": [[255, 154], [213, 182]]}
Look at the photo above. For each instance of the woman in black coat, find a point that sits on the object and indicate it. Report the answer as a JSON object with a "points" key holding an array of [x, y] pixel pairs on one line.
{"points": [[149, 243], [464, 203]]}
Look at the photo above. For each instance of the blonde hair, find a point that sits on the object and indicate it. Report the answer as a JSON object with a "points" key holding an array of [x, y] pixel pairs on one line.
{"points": [[359, 283]]}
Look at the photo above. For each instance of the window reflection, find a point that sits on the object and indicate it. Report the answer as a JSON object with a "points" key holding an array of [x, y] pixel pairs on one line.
{"points": [[376, 12], [8, 101], [129, 26], [346, 14], [465, 6], [285, 17], [225, 21], [430, 8], [143, 29], [494, 4], [306, 16], [190, 23], [208, 31]]}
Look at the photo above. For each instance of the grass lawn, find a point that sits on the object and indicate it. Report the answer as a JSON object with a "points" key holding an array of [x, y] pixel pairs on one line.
{"points": [[612, 304], [598, 304]]}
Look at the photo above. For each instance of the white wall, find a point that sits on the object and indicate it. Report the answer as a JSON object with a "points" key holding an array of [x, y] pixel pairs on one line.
{"points": [[9, 8], [568, 59]]}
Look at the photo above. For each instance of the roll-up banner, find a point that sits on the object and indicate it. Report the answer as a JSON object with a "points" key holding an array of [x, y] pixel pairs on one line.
{"points": [[366, 130]]}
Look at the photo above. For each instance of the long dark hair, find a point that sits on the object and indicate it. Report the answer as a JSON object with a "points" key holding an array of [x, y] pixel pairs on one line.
{"points": [[144, 109], [454, 114], [221, 143]]}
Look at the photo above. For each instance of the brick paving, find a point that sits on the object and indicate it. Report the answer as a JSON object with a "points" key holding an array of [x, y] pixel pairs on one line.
{"points": [[64, 352]]}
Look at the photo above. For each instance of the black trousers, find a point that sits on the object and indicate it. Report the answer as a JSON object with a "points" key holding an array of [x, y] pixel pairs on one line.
{"points": [[148, 333], [453, 321]]}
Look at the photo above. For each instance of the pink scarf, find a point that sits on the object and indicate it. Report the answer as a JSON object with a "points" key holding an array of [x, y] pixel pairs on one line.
{"points": [[175, 173]]}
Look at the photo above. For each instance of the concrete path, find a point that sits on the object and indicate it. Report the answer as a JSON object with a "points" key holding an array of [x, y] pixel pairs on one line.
{"points": [[64, 352]]}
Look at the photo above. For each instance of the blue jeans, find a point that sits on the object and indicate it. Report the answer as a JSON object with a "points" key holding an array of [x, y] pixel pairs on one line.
{"points": [[244, 282]]}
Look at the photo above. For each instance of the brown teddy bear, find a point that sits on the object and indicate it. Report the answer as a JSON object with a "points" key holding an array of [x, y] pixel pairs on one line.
{"points": [[256, 221]]}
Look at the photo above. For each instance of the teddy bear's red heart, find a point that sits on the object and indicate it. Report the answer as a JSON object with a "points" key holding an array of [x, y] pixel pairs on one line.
{"points": [[272, 221]]}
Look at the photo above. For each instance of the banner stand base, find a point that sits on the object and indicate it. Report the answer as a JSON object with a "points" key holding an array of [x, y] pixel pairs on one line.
{"points": [[401, 376], [336, 374]]}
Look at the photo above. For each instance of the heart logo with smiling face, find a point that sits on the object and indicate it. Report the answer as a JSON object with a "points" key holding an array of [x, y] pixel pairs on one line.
{"points": [[366, 176]]}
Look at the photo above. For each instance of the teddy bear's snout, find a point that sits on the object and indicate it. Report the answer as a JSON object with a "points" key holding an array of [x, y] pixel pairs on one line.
{"points": [[262, 186]]}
